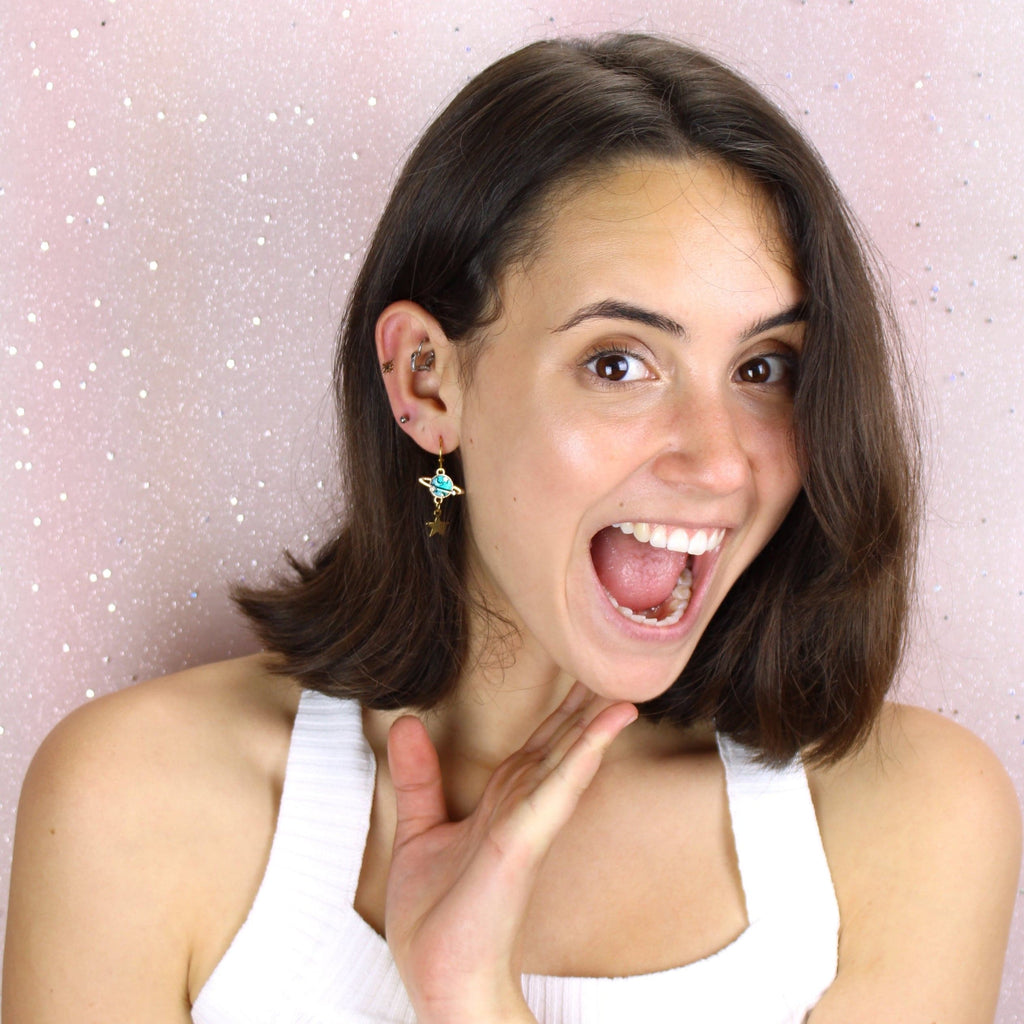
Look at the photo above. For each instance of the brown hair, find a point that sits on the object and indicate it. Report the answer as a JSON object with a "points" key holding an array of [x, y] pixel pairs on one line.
{"points": [[805, 646]]}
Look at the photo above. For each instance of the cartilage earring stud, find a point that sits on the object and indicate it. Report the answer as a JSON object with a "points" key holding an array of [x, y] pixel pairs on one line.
{"points": [[388, 366], [428, 359], [441, 486]]}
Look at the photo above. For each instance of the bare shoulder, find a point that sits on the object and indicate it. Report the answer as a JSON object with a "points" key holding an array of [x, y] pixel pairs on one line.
{"points": [[933, 776], [918, 753], [131, 813], [164, 736], [922, 828]]}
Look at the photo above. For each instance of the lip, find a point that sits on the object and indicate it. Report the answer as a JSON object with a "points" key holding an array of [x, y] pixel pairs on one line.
{"points": [[704, 567]]}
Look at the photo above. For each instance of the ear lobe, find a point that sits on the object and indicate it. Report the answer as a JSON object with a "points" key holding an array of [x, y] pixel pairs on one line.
{"points": [[419, 367]]}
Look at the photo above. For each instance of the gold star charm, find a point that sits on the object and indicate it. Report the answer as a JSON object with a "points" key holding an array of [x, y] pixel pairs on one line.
{"points": [[437, 526]]}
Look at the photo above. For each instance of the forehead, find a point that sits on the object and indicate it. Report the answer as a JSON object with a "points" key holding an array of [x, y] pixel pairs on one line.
{"points": [[660, 227]]}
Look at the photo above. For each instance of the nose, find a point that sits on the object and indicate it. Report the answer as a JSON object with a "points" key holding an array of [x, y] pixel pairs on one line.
{"points": [[704, 447]]}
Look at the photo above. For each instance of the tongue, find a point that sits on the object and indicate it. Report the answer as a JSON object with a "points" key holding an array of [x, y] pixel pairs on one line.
{"points": [[638, 576]]}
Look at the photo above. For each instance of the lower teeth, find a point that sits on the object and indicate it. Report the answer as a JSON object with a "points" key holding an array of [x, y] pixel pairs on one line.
{"points": [[676, 604]]}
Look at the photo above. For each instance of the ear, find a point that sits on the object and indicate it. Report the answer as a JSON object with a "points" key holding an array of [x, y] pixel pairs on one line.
{"points": [[420, 371]]}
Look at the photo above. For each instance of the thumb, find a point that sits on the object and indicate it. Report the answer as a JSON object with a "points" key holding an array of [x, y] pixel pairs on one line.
{"points": [[416, 776]]}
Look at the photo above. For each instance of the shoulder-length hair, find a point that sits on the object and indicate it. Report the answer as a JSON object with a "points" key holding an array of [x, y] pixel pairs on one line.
{"points": [[805, 646]]}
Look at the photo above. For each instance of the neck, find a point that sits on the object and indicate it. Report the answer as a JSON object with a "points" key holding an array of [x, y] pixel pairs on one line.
{"points": [[505, 692], [497, 705], [499, 701]]}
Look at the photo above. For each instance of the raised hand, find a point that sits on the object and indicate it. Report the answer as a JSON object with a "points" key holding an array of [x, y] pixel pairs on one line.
{"points": [[458, 892]]}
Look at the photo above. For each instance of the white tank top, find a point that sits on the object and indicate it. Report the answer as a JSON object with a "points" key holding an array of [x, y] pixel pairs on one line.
{"points": [[304, 956]]}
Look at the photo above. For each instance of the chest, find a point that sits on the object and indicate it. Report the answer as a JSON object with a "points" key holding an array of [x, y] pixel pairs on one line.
{"points": [[643, 878]]}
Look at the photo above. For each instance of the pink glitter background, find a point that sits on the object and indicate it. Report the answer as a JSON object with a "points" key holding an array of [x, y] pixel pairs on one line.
{"points": [[186, 189]]}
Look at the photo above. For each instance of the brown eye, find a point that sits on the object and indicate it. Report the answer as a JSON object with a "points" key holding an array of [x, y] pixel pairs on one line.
{"points": [[774, 369], [611, 366], [617, 367], [757, 371]]}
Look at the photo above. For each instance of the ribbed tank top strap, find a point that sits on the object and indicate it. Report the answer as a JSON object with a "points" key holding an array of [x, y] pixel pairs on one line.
{"points": [[328, 794], [775, 829], [312, 872]]}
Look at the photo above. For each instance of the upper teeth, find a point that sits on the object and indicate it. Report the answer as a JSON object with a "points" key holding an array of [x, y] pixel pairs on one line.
{"points": [[675, 538]]}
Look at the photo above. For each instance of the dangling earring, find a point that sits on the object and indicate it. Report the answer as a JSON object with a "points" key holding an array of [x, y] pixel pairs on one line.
{"points": [[441, 486]]}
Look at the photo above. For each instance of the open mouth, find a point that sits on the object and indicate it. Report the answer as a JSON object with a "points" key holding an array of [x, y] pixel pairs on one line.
{"points": [[647, 569]]}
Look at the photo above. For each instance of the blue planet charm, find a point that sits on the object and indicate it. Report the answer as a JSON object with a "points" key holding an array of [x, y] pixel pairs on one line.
{"points": [[441, 486]]}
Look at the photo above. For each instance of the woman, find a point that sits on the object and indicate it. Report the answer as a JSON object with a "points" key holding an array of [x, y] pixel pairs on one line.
{"points": [[593, 727]]}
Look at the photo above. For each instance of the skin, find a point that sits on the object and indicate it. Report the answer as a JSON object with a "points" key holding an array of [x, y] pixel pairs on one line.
{"points": [[681, 440], [147, 817]]}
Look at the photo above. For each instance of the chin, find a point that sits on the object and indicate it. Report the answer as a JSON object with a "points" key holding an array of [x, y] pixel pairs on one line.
{"points": [[635, 678]]}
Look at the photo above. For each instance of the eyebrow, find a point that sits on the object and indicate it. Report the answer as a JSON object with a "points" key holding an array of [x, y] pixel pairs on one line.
{"points": [[792, 315], [612, 309]]}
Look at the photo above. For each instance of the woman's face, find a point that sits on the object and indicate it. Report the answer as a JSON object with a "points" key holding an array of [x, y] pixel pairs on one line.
{"points": [[626, 436]]}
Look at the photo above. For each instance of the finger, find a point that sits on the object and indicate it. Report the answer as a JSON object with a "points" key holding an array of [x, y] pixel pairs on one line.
{"points": [[573, 769], [555, 791], [573, 727], [573, 701], [564, 728], [583, 758], [416, 776]]}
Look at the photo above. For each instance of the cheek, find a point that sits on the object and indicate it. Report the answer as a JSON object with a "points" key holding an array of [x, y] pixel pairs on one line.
{"points": [[546, 449], [767, 439], [574, 448], [776, 470]]}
